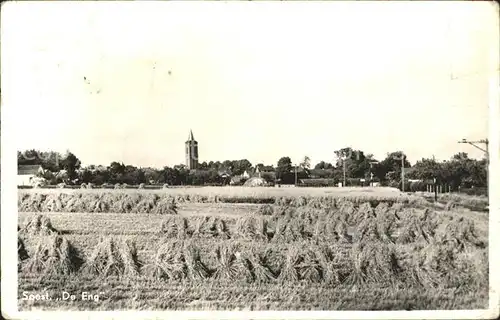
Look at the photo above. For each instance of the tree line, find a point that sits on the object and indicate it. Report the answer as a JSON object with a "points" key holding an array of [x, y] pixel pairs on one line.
{"points": [[355, 165]]}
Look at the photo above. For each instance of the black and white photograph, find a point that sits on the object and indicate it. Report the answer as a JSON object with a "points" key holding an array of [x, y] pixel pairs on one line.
{"points": [[302, 159]]}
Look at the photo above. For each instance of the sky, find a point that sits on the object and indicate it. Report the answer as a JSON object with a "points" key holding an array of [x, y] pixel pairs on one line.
{"points": [[126, 81]]}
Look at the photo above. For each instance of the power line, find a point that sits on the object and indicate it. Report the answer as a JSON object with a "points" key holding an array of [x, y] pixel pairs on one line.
{"points": [[475, 144], [485, 150]]}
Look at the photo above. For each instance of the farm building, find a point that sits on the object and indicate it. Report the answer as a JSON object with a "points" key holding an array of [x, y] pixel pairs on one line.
{"points": [[26, 174], [415, 180], [245, 175], [320, 182], [257, 172]]}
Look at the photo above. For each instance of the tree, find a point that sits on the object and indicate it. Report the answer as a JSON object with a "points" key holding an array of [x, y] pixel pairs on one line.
{"points": [[71, 163], [116, 171], [49, 160], [227, 165], [268, 168], [323, 165], [260, 167], [240, 166], [283, 170], [357, 165], [86, 176], [426, 169], [179, 176], [173, 176], [101, 177], [466, 172], [116, 168], [203, 166], [392, 163], [28, 157], [215, 165], [214, 177], [460, 156], [152, 175]]}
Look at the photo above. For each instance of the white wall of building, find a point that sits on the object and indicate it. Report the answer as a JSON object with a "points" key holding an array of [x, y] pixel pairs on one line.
{"points": [[24, 180]]}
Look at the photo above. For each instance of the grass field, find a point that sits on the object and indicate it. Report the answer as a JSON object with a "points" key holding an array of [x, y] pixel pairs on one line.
{"points": [[249, 249]]}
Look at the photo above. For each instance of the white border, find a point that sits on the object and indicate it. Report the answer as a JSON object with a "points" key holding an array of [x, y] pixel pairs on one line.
{"points": [[9, 222]]}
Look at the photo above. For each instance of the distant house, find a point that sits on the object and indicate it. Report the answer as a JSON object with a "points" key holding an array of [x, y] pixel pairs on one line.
{"points": [[320, 182], [27, 173], [225, 177], [415, 180], [224, 174], [256, 172]]}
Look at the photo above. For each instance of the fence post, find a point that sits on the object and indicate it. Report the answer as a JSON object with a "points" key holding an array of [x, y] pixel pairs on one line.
{"points": [[435, 191]]}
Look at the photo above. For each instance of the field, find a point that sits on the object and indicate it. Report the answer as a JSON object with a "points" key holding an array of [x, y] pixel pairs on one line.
{"points": [[249, 249]]}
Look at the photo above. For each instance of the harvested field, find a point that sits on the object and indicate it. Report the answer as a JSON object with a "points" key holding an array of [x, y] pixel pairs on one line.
{"points": [[301, 253]]}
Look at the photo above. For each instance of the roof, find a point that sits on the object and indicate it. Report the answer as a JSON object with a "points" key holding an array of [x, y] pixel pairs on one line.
{"points": [[224, 173], [191, 137], [28, 169], [319, 181]]}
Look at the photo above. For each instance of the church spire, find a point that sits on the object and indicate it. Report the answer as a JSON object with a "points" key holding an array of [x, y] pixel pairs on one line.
{"points": [[191, 151]]}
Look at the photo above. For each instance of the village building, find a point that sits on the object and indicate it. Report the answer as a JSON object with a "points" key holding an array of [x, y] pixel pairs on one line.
{"points": [[191, 152], [245, 175], [26, 174]]}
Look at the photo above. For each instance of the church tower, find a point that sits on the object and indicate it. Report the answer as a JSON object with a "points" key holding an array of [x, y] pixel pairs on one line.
{"points": [[191, 152]]}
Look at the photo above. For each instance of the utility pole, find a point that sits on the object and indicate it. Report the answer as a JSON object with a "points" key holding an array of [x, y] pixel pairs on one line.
{"points": [[343, 165], [485, 150], [295, 175], [435, 190], [402, 172], [371, 171]]}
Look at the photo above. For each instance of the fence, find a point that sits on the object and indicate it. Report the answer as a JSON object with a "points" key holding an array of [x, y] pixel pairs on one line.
{"points": [[439, 188]]}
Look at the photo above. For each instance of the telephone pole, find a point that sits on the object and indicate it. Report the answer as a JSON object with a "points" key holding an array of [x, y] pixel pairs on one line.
{"points": [[371, 171], [343, 165], [295, 175], [402, 172], [474, 144], [486, 152]]}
